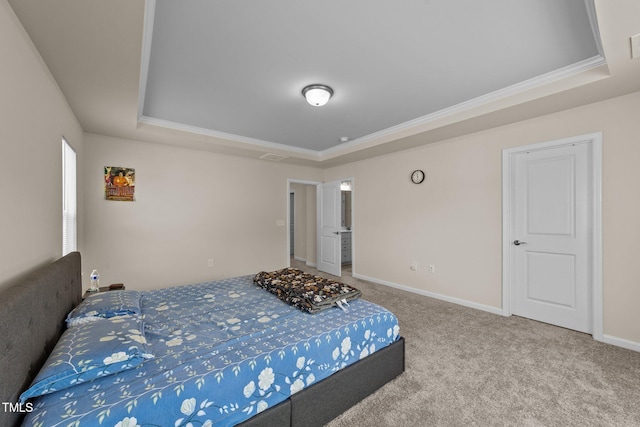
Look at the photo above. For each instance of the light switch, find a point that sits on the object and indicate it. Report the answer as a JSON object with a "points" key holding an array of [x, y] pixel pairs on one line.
{"points": [[635, 46]]}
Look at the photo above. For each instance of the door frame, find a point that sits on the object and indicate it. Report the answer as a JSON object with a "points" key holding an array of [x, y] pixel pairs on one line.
{"points": [[508, 177], [353, 209], [291, 221]]}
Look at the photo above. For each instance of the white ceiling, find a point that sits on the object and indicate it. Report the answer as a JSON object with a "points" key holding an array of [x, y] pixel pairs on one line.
{"points": [[227, 75]]}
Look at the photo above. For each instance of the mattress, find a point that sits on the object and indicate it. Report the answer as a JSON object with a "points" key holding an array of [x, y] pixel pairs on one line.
{"points": [[217, 353]]}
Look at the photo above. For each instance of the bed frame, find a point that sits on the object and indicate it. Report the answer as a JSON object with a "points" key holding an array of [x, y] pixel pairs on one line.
{"points": [[32, 318], [32, 314]]}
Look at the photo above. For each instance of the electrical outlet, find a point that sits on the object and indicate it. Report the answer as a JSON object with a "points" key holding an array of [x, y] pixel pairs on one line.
{"points": [[210, 262], [432, 268], [414, 266]]}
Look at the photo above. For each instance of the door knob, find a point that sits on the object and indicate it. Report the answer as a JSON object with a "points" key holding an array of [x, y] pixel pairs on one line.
{"points": [[336, 232], [518, 243]]}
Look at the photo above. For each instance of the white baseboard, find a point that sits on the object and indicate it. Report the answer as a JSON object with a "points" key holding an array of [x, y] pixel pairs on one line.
{"points": [[311, 264], [446, 298], [297, 258], [608, 339], [621, 342]]}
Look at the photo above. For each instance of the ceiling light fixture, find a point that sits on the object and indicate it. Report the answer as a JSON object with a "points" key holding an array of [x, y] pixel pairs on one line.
{"points": [[317, 95]]}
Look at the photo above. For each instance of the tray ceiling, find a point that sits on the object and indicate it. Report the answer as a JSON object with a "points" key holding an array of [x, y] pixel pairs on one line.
{"points": [[226, 76], [235, 69]]}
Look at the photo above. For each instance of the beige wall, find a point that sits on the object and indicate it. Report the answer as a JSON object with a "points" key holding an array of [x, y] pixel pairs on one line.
{"points": [[33, 118], [191, 206], [453, 220]]}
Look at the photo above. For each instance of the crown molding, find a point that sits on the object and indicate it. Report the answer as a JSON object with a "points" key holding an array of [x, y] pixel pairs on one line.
{"points": [[416, 125], [147, 35], [228, 137]]}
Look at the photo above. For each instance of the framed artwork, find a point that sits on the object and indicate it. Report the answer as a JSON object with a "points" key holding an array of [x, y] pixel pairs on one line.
{"points": [[119, 183]]}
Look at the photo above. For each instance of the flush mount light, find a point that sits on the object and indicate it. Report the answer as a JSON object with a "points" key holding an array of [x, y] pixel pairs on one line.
{"points": [[317, 95]]}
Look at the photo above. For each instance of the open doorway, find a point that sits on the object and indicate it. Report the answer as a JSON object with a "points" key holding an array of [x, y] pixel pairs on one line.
{"points": [[301, 211], [302, 235]]}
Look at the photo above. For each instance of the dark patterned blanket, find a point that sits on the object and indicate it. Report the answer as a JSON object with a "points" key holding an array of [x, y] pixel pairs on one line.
{"points": [[305, 291]]}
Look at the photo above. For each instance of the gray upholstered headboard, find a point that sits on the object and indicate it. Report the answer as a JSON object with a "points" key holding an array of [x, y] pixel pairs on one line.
{"points": [[32, 314]]}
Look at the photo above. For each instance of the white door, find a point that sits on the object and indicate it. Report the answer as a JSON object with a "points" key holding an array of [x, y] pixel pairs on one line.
{"points": [[329, 226], [551, 235]]}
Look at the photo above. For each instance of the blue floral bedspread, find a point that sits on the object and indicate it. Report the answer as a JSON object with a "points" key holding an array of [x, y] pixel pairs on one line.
{"points": [[223, 352]]}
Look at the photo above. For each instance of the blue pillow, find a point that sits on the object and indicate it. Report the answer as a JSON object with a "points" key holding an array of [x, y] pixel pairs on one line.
{"points": [[91, 350], [107, 304]]}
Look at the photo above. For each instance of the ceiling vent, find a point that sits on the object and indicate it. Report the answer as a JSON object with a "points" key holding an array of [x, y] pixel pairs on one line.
{"points": [[273, 157]]}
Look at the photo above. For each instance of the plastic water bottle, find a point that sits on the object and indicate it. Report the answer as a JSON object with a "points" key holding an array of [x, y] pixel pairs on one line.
{"points": [[95, 281]]}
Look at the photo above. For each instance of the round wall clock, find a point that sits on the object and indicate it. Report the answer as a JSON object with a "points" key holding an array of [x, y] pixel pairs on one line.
{"points": [[417, 176]]}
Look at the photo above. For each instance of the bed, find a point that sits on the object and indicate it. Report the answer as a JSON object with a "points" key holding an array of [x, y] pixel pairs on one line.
{"points": [[215, 353]]}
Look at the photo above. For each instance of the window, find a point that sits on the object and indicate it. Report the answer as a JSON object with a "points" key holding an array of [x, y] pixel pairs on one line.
{"points": [[69, 240]]}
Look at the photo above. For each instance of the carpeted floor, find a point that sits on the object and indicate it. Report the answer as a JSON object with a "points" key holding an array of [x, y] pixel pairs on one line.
{"points": [[468, 367]]}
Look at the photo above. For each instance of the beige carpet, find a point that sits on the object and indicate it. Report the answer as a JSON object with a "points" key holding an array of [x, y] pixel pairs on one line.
{"points": [[466, 367]]}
